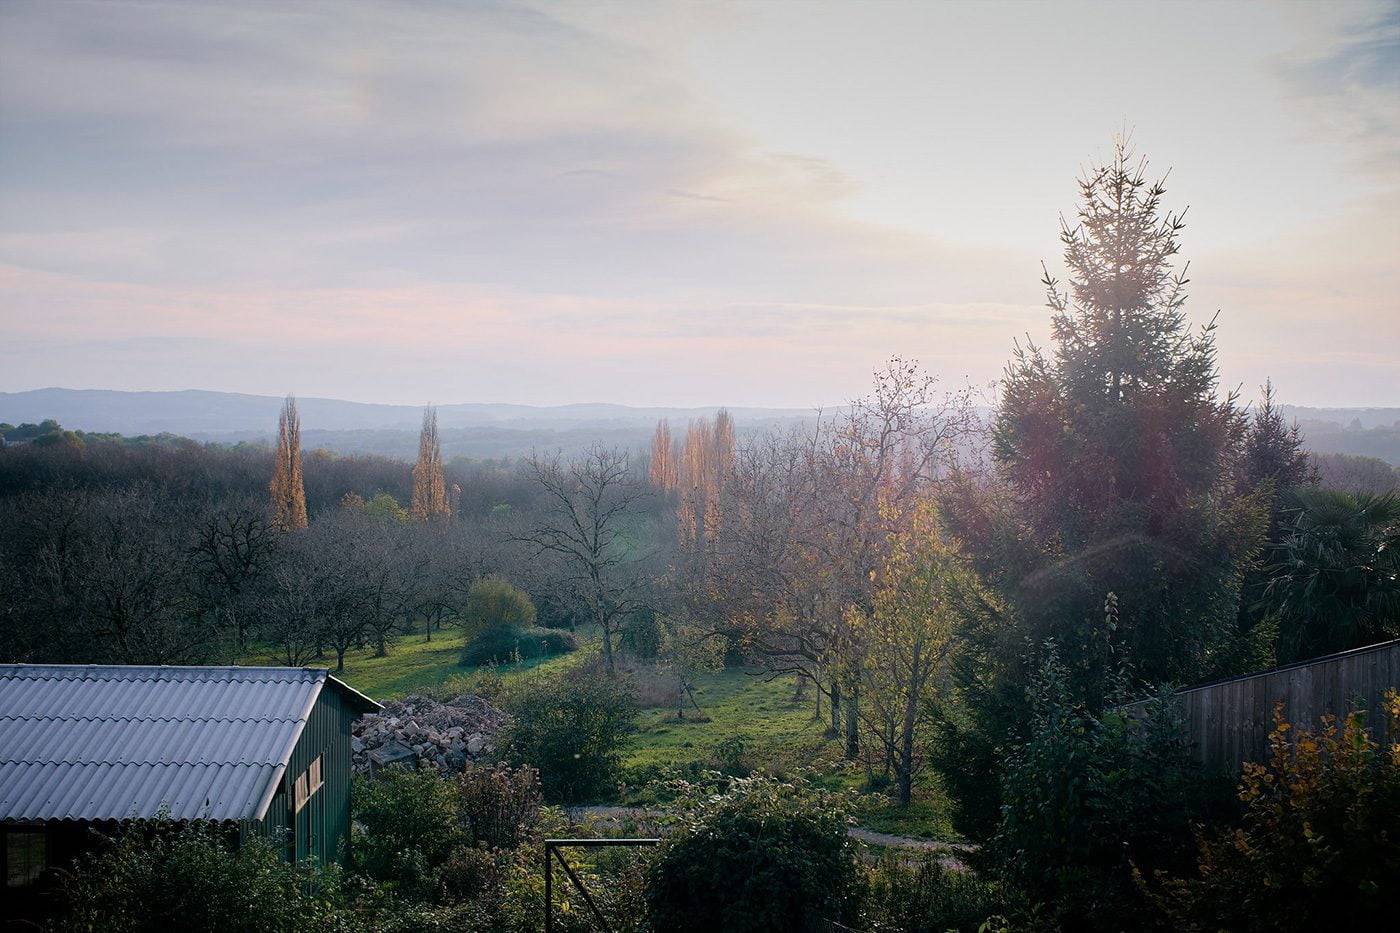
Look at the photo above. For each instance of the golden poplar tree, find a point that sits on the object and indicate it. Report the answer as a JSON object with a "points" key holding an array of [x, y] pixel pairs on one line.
{"points": [[288, 493], [429, 488], [693, 479], [663, 458], [717, 466]]}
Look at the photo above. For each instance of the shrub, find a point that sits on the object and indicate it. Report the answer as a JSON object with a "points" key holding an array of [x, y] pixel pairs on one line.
{"points": [[731, 756], [1317, 846], [571, 728], [641, 635], [1089, 796], [502, 644], [188, 877], [494, 602], [405, 827], [928, 897], [499, 805], [765, 856]]}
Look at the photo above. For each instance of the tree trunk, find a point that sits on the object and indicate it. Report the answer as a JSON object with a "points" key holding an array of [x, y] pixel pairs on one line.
{"points": [[905, 769], [607, 643], [339, 659], [835, 707], [852, 726]]}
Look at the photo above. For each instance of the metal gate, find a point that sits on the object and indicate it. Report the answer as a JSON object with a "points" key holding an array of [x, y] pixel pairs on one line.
{"points": [[552, 854]]}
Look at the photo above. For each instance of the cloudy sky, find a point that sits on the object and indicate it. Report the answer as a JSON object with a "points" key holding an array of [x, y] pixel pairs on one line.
{"points": [[670, 204]]}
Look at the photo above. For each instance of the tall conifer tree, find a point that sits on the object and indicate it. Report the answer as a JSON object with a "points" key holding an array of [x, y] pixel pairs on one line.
{"points": [[1116, 457]]}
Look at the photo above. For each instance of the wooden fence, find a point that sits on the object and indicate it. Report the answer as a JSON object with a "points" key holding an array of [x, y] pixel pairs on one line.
{"points": [[1230, 720]]}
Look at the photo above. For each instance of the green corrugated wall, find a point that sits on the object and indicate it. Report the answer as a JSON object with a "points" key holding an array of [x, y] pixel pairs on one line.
{"points": [[322, 828]]}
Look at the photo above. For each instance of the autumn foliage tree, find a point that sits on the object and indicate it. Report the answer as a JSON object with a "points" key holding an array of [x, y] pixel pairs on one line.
{"points": [[662, 471], [923, 589], [807, 519], [429, 489], [288, 493], [706, 459]]}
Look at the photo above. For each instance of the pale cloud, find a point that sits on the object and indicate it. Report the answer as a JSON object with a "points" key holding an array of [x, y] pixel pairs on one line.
{"points": [[660, 203]]}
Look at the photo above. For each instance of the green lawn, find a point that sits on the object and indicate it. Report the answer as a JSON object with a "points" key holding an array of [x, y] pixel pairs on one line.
{"points": [[414, 665], [780, 735]]}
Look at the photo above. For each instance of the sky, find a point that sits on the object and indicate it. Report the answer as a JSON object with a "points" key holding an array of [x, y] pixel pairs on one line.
{"points": [[671, 204]]}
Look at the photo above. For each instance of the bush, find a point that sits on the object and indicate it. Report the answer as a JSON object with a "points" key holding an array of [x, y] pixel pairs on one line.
{"points": [[503, 644], [571, 728], [1318, 844], [641, 635], [405, 826], [1090, 796], [927, 897], [189, 877], [763, 857], [499, 805], [494, 602]]}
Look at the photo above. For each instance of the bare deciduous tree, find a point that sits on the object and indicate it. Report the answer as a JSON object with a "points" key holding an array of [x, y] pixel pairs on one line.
{"points": [[806, 525], [587, 503]]}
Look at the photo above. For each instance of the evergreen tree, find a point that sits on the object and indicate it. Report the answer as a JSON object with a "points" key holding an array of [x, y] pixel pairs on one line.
{"points": [[288, 493], [1273, 467], [1274, 455], [1116, 456]]}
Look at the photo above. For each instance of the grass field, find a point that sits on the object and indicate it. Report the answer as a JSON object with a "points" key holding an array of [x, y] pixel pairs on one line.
{"points": [[779, 734], [414, 665], [760, 719]]}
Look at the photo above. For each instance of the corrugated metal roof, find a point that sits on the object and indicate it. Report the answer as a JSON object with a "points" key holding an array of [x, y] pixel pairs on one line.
{"points": [[116, 742]]}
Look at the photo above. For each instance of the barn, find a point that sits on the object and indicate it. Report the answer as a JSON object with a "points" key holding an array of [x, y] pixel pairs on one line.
{"points": [[262, 750]]}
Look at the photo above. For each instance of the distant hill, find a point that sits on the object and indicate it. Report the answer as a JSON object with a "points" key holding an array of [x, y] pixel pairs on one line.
{"points": [[483, 430], [470, 429]]}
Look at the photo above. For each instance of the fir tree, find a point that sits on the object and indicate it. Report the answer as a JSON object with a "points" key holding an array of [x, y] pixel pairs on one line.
{"points": [[1116, 457]]}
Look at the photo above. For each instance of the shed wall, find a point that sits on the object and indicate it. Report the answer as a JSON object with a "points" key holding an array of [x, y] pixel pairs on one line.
{"points": [[322, 828]]}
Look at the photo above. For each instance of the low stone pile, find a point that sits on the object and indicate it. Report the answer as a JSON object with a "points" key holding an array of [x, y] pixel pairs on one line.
{"points": [[423, 732]]}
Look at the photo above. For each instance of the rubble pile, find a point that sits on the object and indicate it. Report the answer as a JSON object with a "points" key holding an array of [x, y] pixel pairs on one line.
{"points": [[423, 732]]}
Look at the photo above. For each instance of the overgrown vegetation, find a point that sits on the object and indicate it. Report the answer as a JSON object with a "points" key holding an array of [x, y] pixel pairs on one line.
{"points": [[762, 857], [1317, 844], [162, 877], [571, 728]]}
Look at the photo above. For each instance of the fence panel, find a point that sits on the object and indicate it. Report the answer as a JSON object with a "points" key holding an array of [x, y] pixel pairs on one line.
{"points": [[1230, 721]]}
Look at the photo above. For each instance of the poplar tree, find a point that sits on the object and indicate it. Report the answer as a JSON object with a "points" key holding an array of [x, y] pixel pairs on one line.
{"points": [[693, 472], [718, 464], [662, 472], [429, 488], [288, 493]]}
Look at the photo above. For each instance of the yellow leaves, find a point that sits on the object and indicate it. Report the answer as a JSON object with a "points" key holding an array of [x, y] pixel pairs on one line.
{"points": [[429, 486]]}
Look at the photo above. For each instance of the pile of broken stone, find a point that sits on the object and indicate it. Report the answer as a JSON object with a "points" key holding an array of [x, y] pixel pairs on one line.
{"points": [[419, 731]]}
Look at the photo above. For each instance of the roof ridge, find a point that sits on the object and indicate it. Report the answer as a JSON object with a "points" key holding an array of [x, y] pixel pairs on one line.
{"points": [[43, 718], [203, 763]]}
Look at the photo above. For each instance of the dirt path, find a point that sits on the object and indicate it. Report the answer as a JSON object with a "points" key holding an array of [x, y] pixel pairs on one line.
{"points": [[951, 852]]}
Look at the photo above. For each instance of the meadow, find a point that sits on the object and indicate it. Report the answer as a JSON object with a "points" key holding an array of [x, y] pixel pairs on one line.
{"points": [[746, 720]]}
